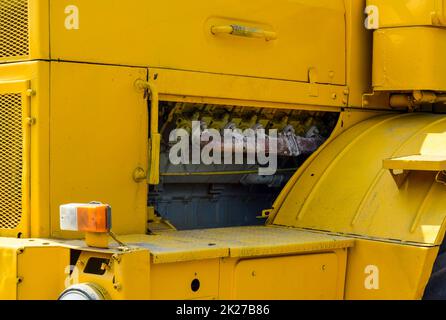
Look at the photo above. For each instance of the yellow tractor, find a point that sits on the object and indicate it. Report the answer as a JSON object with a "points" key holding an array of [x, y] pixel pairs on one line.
{"points": [[113, 128]]}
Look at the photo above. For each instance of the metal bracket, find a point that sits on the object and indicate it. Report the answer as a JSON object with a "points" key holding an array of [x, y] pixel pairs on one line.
{"points": [[400, 177]]}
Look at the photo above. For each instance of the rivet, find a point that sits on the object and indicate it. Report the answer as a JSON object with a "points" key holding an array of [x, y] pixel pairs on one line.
{"points": [[31, 121], [117, 258], [30, 92], [117, 287]]}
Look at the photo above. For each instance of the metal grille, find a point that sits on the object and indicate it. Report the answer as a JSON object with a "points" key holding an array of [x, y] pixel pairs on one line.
{"points": [[11, 160], [14, 28]]}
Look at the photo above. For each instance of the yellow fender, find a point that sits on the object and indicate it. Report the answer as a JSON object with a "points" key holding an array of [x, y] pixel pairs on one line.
{"points": [[399, 220]]}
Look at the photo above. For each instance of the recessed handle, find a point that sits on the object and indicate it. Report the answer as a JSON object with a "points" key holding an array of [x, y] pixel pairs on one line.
{"points": [[244, 31]]}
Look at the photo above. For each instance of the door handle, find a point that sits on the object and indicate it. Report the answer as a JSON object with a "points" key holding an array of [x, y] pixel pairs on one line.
{"points": [[244, 31]]}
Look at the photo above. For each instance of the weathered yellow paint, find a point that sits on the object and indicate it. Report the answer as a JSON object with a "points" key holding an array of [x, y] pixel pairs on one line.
{"points": [[189, 26], [175, 85], [173, 281], [242, 242], [32, 269], [313, 276], [421, 67], [51, 267], [218, 257], [366, 193], [102, 170], [422, 162], [8, 275], [399, 13], [34, 76], [403, 270], [346, 121], [432, 156], [342, 211], [126, 276], [100, 119]]}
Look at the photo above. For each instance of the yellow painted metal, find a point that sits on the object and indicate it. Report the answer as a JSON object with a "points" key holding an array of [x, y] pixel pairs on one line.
{"points": [[125, 276], [8, 276], [346, 121], [78, 34], [243, 31], [399, 13], [310, 277], [154, 165], [217, 55], [342, 193], [217, 258], [37, 76], [97, 240], [422, 162], [81, 171], [173, 281], [402, 271], [401, 24], [32, 269], [431, 158], [242, 242], [421, 67], [359, 59], [313, 268], [366, 192], [190, 27], [101, 105], [155, 137], [175, 85]]}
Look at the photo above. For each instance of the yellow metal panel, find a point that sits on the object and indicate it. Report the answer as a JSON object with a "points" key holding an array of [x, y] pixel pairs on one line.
{"points": [[132, 274], [174, 85], [417, 162], [241, 242], [165, 248], [432, 157], [300, 277], [126, 275], [347, 120], [42, 272], [177, 35], [36, 74], [174, 281], [367, 201], [39, 29], [421, 67], [401, 272], [359, 47], [8, 274], [101, 105], [32, 269], [397, 13]]}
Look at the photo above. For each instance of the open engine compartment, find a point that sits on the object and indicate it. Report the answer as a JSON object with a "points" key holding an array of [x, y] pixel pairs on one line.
{"points": [[228, 194]]}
